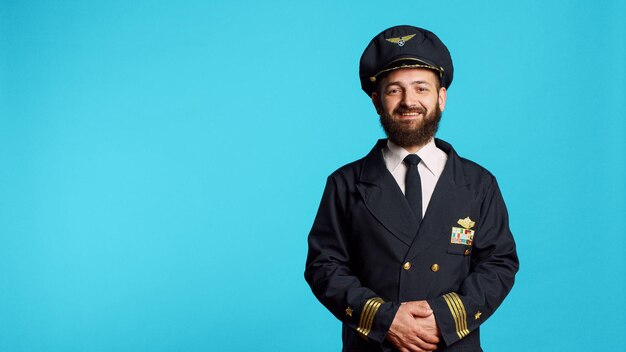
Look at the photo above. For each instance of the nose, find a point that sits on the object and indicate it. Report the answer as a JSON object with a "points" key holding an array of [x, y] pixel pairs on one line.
{"points": [[409, 99]]}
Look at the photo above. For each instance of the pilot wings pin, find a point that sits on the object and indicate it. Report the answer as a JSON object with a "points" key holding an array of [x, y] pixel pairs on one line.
{"points": [[401, 40]]}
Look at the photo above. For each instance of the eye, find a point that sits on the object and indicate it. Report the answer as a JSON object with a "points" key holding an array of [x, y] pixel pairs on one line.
{"points": [[393, 91]]}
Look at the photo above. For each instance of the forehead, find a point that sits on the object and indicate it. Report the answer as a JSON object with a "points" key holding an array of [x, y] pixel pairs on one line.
{"points": [[411, 75]]}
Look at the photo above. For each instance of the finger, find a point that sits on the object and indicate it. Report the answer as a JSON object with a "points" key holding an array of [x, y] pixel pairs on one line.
{"points": [[409, 348], [415, 343], [423, 345], [426, 330], [432, 339], [417, 348], [427, 336]]}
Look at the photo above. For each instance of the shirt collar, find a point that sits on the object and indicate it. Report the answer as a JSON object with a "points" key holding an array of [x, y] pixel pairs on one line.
{"points": [[433, 158]]}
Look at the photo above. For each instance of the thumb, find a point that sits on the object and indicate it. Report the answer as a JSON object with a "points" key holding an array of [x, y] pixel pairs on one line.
{"points": [[419, 309]]}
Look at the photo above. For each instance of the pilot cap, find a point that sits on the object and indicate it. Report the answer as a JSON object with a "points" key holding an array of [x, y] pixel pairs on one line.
{"points": [[404, 47]]}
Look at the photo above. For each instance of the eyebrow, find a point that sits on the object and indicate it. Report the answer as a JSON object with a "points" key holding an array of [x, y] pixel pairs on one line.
{"points": [[400, 83]]}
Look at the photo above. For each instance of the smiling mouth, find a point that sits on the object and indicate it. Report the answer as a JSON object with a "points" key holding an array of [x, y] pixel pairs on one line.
{"points": [[410, 113], [409, 116]]}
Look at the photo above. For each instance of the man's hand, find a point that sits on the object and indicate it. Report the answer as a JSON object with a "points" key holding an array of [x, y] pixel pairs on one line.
{"points": [[414, 328]]}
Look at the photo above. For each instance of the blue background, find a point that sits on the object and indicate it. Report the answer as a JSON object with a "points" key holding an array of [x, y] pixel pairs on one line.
{"points": [[161, 164]]}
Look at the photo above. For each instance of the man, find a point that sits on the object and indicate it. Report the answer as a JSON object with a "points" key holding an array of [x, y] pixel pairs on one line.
{"points": [[411, 247]]}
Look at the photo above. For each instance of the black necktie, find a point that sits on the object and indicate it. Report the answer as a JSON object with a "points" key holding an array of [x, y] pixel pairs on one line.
{"points": [[413, 186]]}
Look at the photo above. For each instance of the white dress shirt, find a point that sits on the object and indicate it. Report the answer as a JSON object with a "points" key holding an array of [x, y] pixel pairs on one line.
{"points": [[430, 168]]}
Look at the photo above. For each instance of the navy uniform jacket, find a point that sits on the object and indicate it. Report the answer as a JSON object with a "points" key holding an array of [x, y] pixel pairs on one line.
{"points": [[367, 254]]}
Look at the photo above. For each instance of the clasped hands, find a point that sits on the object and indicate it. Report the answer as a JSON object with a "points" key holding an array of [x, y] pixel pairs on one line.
{"points": [[414, 328]]}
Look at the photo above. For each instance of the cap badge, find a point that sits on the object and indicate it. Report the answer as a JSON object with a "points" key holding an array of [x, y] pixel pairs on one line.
{"points": [[401, 40]]}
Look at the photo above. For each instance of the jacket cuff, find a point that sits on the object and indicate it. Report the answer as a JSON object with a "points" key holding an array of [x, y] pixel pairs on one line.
{"points": [[376, 318], [451, 317]]}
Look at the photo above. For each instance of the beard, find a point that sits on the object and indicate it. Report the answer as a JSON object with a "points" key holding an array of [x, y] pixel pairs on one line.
{"points": [[411, 133]]}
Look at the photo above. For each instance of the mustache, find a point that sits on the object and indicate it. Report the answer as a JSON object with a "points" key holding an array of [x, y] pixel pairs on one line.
{"points": [[406, 110]]}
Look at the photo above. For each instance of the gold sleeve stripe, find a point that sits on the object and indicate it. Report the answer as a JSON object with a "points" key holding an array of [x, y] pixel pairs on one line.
{"points": [[370, 318], [458, 313], [463, 317], [367, 315], [454, 314]]}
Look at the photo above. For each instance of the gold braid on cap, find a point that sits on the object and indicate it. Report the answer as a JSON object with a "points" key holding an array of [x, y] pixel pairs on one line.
{"points": [[421, 65]]}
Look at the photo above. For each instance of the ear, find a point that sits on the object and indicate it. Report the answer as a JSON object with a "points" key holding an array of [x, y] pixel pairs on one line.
{"points": [[443, 94], [377, 103]]}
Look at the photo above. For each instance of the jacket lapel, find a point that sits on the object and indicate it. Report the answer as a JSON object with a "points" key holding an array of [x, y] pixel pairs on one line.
{"points": [[384, 199], [450, 190]]}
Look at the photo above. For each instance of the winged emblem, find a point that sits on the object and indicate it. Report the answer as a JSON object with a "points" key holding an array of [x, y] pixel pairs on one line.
{"points": [[466, 223], [401, 40]]}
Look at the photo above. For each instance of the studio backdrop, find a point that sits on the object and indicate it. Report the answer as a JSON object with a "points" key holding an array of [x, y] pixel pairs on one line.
{"points": [[161, 163]]}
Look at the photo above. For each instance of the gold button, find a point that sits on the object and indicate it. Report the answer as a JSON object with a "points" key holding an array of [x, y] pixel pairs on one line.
{"points": [[466, 252], [435, 267], [407, 266]]}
